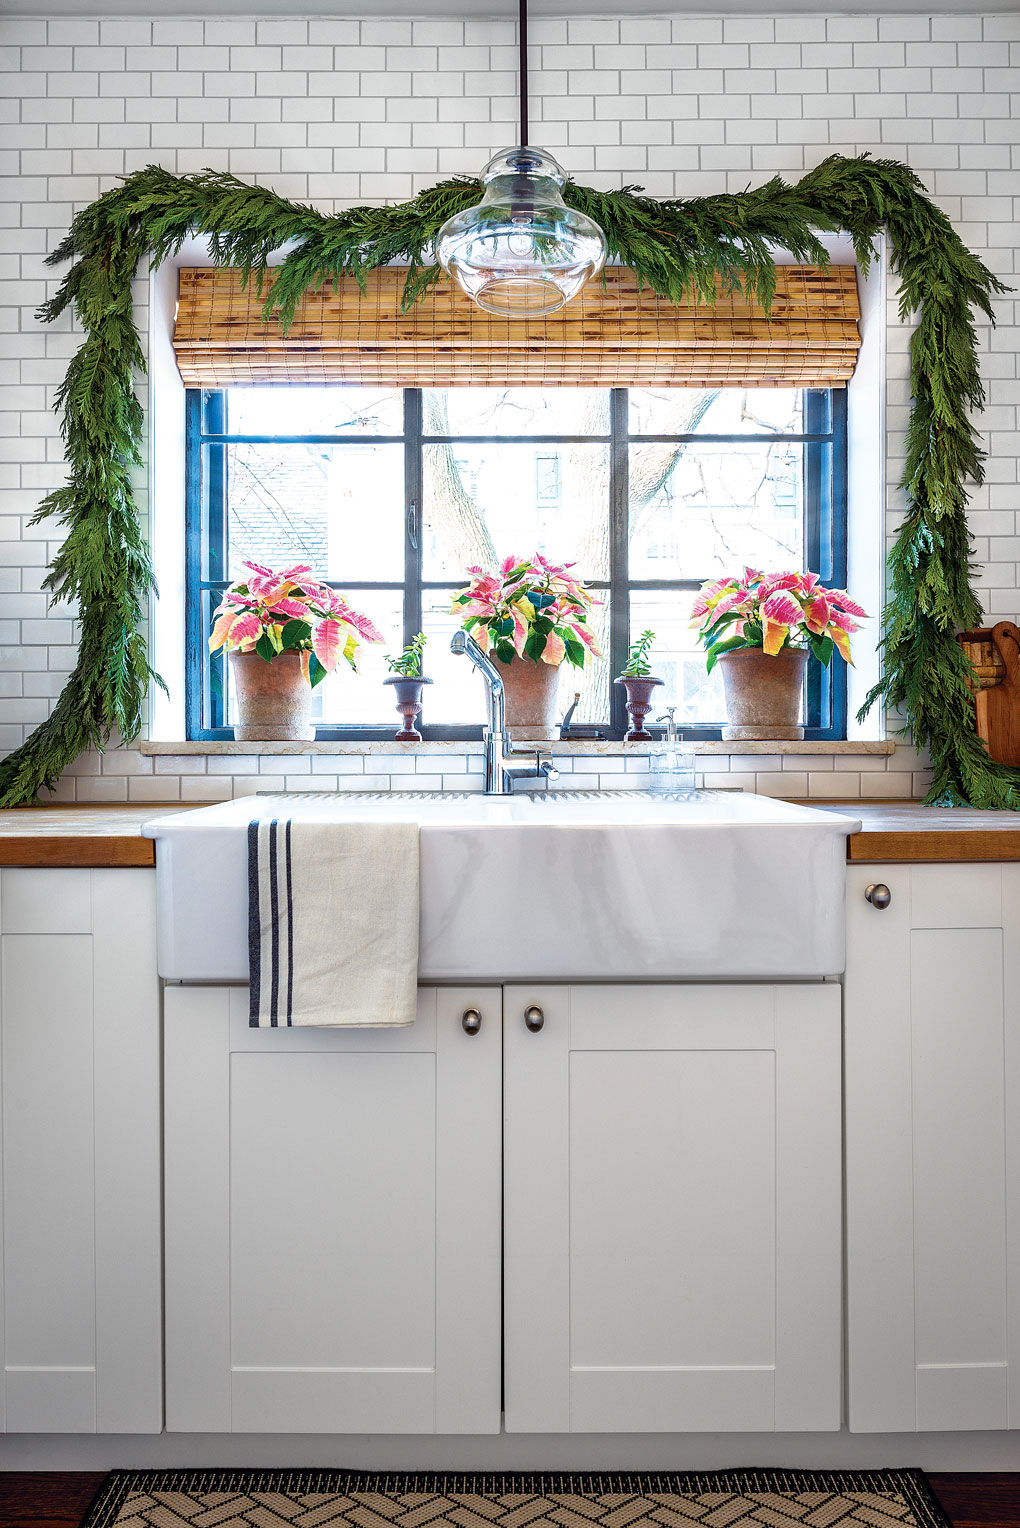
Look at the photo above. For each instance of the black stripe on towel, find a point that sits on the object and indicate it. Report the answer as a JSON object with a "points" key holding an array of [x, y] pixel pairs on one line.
{"points": [[254, 928], [290, 928], [274, 908]]}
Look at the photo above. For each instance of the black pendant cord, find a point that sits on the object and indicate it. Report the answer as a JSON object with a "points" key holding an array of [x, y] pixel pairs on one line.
{"points": [[522, 38]]}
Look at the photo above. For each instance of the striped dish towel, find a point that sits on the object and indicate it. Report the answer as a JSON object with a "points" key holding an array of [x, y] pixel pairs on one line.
{"points": [[332, 923]]}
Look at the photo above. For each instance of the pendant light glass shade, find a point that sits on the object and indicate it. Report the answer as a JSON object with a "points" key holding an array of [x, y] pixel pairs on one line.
{"points": [[522, 252]]}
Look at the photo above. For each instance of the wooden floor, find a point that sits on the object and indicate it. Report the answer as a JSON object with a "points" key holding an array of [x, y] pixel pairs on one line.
{"points": [[60, 1500]]}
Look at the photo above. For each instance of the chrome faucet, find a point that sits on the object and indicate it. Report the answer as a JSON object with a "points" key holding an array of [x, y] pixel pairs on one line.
{"points": [[500, 777]]}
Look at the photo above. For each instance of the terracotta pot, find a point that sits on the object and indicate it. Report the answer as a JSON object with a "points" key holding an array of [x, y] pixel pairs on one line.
{"points": [[274, 699], [764, 695], [639, 703], [531, 694], [408, 696]]}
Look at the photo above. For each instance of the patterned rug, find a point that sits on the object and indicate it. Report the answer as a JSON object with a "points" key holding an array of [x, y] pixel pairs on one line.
{"points": [[344, 1499]]}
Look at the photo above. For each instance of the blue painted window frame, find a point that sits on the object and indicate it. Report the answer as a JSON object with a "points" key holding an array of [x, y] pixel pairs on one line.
{"points": [[825, 551]]}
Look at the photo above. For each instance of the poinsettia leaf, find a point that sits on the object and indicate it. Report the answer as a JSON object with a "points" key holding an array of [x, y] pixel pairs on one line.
{"points": [[504, 652], [555, 649], [245, 628], [294, 633], [716, 651], [535, 645], [823, 648], [265, 648], [221, 630], [327, 640], [711, 633], [316, 672]]}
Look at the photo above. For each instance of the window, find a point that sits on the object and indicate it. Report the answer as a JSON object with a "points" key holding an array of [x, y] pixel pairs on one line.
{"points": [[389, 495]]}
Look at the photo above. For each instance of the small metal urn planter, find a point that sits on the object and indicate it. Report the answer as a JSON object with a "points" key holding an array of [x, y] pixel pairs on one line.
{"points": [[639, 703], [274, 698], [407, 693], [764, 694], [531, 689]]}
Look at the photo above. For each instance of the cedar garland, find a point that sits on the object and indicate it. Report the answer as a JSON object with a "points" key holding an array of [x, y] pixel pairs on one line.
{"points": [[677, 247]]}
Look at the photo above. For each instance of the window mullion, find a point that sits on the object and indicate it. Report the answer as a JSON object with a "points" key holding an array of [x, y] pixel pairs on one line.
{"points": [[413, 518], [195, 533], [215, 554], [619, 552]]}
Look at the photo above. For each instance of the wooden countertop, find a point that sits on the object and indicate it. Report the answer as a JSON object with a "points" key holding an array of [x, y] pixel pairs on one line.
{"points": [[904, 832], [88, 836], [94, 836]]}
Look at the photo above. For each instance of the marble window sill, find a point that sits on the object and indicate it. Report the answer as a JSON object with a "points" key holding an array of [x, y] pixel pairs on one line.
{"points": [[580, 747]]}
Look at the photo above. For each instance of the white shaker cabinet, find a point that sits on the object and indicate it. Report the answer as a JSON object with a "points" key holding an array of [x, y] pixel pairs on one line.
{"points": [[80, 1101], [932, 1015], [673, 1239], [332, 1219]]}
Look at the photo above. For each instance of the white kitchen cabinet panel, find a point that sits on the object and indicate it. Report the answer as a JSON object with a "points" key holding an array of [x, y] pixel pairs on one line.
{"points": [[332, 1220], [672, 1207], [933, 1148], [80, 1096]]}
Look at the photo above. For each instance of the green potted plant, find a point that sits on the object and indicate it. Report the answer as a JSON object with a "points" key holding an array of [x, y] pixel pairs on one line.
{"points": [[639, 682], [283, 633], [407, 680], [761, 630], [531, 618]]}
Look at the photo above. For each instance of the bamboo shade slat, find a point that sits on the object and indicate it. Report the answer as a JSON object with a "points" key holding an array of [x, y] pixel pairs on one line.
{"points": [[612, 335]]}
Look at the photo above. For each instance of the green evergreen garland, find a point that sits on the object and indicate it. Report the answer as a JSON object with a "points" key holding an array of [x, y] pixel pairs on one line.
{"points": [[675, 247]]}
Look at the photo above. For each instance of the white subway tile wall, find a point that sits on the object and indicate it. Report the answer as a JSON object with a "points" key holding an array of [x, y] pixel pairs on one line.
{"points": [[342, 111]]}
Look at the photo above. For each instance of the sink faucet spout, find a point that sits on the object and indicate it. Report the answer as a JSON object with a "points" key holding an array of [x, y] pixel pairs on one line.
{"points": [[495, 734], [500, 777]]}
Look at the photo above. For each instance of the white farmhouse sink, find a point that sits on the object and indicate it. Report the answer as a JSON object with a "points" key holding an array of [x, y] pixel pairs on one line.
{"points": [[593, 886]]}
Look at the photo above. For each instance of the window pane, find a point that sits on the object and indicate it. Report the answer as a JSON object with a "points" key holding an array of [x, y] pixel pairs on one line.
{"points": [[723, 411], [515, 411], [346, 699], [457, 696], [338, 508], [349, 699], [705, 510], [677, 658], [591, 682], [315, 410], [485, 503]]}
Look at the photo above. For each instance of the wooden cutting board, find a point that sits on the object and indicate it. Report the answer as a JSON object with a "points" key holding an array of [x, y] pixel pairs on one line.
{"points": [[998, 708]]}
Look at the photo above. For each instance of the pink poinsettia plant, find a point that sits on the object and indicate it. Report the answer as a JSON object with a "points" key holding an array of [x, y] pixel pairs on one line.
{"points": [[774, 611], [531, 610], [270, 613]]}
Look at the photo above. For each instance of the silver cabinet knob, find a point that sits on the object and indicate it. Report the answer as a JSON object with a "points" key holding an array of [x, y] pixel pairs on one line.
{"points": [[878, 895], [471, 1021], [534, 1018]]}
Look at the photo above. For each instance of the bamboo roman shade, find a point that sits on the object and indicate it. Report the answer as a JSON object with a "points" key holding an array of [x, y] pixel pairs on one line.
{"points": [[612, 335]]}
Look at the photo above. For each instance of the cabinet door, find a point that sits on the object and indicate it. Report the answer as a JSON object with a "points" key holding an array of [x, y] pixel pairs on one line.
{"points": [[672, 1242], [933, 1148], [332, 1220], [79, 1015]]}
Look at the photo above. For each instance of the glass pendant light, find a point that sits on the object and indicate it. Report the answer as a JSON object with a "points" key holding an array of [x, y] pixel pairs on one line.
{"points": [[522, 252]]}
